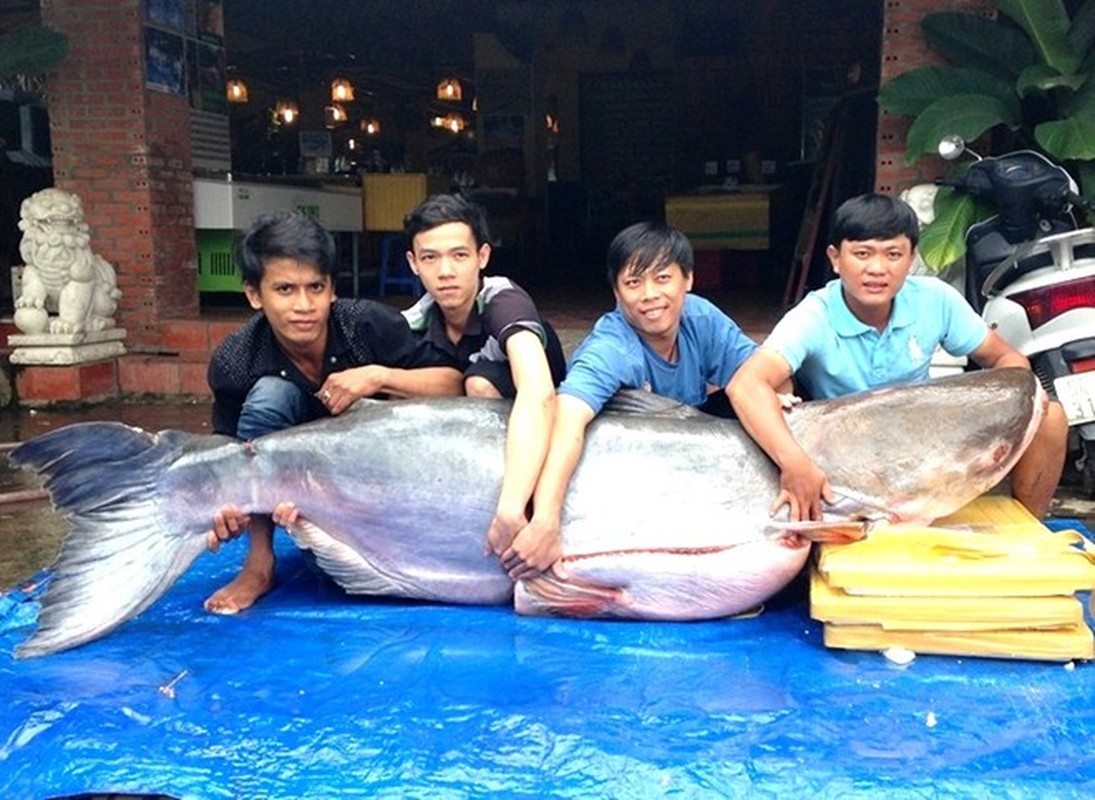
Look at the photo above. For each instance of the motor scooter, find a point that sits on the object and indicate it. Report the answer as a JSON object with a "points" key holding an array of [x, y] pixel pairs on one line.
{"points": [[1030, 273]]}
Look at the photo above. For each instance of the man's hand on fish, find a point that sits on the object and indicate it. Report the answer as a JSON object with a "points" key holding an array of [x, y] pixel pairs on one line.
{"points": [[285, 514], [788, 401], [228, 523], [804, 489], [535, 548], [342, 389], [502, 531]]}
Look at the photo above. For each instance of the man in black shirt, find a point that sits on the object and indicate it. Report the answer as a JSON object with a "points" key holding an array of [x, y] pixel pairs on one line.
{"points": [[306, 355]]}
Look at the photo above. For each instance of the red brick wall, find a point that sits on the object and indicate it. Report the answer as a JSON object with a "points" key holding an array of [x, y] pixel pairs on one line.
{"points": [[903, 48], [125, 150]]}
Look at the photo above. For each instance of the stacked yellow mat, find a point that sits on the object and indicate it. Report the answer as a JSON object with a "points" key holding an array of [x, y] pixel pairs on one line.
{"points": [[989, 580]]}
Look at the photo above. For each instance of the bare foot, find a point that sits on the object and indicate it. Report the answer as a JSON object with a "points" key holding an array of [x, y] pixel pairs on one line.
{"points": [[242, 591], [255, 579]]}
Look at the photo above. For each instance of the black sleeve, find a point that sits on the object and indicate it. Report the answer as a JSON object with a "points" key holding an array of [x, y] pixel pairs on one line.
{"points": [[394, 344], [227, 405], [509, 311]]}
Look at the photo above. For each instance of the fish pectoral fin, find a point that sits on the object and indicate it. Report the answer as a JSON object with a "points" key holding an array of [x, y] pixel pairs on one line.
{"points": [[822, 532], [548, 595], [345, 565]]}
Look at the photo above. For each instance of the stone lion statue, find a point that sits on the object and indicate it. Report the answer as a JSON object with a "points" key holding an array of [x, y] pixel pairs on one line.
{"points": [[60, 272]]}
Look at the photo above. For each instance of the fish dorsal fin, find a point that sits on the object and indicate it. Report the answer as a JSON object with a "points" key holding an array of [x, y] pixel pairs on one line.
{"points": [[637, 401]]}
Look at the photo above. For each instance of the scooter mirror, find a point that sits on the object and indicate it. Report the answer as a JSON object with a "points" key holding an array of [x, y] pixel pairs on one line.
{"points": [[952, 146]]}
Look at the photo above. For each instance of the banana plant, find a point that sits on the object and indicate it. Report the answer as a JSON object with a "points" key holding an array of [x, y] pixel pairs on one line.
{"points": [[1025, 77]]}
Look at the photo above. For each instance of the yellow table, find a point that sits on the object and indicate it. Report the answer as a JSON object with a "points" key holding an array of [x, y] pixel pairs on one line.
{"points": [[737, 220]]}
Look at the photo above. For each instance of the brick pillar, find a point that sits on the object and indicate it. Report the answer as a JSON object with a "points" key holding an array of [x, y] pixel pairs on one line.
{"points": [[125, 150], [903, 49]]}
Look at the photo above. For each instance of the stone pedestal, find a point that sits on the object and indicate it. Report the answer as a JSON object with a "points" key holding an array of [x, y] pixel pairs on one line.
{"points": [[65, 349]]}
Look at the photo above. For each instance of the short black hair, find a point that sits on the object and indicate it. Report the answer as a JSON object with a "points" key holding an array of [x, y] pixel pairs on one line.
{"points": [[441, 209], [645, 246], [873, 216], [286, 234]]}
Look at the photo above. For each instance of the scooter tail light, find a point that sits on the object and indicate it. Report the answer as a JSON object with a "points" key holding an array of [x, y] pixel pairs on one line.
{"points": [[1046, 302], [1082, 365]]}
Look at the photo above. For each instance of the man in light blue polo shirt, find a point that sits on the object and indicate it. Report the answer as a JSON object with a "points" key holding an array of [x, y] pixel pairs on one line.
{"points": [[875, 326]]}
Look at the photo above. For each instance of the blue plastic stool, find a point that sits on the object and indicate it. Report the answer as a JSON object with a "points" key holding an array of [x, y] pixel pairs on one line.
{"points": [[395, 272]]}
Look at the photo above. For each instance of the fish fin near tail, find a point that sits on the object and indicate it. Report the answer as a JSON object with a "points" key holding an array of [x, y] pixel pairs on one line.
{"points": [[115, 561], [549, 595], [345, 565]]}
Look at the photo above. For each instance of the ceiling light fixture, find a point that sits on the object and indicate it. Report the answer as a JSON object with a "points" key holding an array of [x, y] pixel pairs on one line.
{"points": [[450, 122], [450, 89], [236, 90], [342, 91], [286, 111], [370, 126], [334, 115]]}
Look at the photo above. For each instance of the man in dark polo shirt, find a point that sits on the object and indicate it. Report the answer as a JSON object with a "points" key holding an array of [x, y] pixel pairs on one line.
{"points": [[491, 326], [305, 356]]}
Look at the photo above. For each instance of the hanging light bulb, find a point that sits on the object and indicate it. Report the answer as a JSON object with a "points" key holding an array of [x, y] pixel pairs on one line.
{"points": [[236, 90], [286, 111], [342, 91], [370, 126], [450, 89]]}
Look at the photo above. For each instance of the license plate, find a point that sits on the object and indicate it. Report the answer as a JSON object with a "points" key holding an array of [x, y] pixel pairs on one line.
{"points": [[1077, 396]]}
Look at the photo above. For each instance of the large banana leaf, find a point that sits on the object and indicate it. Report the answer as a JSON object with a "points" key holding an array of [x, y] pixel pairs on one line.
{"points": [[943, 240], [1043, 78], [31, 51], [911, 92], [967, 115], [970, 40], [1047, 24], [1069, 139]]}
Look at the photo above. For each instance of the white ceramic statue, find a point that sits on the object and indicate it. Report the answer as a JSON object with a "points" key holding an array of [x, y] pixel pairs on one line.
{"points": [[60, 272]]}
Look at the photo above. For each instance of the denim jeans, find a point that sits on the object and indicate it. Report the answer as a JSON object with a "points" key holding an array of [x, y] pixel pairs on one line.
{"points": [[273, 404]]}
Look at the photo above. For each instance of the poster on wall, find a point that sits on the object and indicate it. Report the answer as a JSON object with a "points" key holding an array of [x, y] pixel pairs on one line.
{"points": [[166, 13], [165, 62]]}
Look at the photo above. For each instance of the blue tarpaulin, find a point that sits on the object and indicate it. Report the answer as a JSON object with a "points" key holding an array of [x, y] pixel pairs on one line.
{"points": [[313, 694]]}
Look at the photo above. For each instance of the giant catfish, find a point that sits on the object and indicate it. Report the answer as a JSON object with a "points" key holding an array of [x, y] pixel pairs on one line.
{"points": [[667, 514]]}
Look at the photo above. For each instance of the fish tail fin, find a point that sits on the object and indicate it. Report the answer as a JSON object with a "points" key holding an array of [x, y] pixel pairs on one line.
{"points": [[116, 560]]}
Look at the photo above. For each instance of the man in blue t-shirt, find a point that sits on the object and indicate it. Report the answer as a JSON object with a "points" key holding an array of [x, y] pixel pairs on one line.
{"points": [[873, 327], [659, 338]]}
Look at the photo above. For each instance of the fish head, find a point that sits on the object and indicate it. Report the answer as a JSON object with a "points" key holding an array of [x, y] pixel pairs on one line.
{"points": [[923, 451]]}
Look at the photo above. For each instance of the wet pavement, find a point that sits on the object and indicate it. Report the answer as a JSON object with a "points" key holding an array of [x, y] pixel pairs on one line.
{"points": [[30, 532]]}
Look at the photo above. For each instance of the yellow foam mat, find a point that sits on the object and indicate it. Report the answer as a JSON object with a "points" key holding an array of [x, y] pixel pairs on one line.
{"points": [[1064, 644], [989, 580], [992, 547], [979, 613]]}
